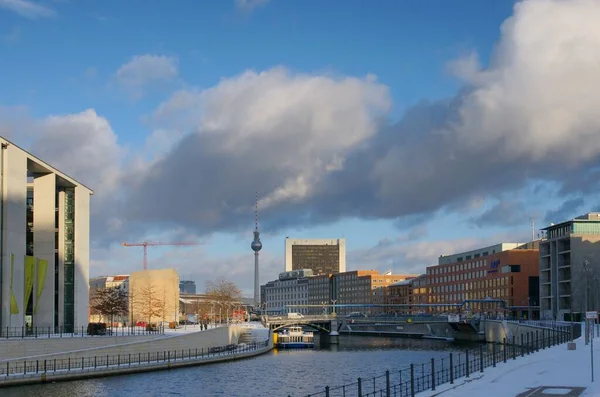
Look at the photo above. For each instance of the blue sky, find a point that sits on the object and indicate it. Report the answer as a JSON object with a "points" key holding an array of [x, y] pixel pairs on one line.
{"points": [[154, 74]]}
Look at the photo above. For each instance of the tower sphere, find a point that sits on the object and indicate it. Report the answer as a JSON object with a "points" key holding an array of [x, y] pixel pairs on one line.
{"points": [[256, 245]]}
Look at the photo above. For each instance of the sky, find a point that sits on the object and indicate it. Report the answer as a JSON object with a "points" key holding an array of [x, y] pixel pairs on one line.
{"points": [[411, 129]]}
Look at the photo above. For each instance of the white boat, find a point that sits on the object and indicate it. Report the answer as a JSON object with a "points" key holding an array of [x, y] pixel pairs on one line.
{"points": [[292, 337]]}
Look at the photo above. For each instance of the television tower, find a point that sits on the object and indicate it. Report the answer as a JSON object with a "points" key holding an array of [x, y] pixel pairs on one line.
{"points": [[256, 246]]}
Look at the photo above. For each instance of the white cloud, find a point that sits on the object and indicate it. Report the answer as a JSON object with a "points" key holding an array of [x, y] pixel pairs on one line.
{"points": [[28, 9], [145, 70], [539, 96], [84, 146]]}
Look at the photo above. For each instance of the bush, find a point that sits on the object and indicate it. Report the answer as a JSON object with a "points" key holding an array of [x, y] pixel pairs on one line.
{"points": [[96, 329], [172, 325]]}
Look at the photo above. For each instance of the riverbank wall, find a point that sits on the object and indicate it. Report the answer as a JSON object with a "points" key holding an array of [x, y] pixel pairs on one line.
{"points": [[58, 370], [76, 348]]}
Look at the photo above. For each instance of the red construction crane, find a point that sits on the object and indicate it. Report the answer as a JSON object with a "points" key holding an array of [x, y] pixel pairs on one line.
{"points": [[146, 244]]}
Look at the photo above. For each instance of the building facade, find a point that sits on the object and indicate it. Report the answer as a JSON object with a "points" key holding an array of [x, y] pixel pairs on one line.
{"points": [[290, 289], [322, 256], [44, 244], [569, 265], [187, 287], [411, 293], [508, 272], [154, 296]]}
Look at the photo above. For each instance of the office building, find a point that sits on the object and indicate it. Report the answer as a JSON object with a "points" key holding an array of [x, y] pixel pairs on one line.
{"points": [[44, 244], [506, 271], [569, 265], [320, 292], [290, 289], [411, 293], [322, 256], [187, 287]]}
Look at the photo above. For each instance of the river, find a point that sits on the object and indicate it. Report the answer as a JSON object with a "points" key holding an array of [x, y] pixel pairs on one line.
{"points": [[278, 373]]}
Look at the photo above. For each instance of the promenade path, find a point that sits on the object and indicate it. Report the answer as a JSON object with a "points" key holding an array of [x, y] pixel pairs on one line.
{"points": [[552, 372]]}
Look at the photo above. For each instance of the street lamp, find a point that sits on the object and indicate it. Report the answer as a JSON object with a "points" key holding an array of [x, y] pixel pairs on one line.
{"points": [[333, 302]]}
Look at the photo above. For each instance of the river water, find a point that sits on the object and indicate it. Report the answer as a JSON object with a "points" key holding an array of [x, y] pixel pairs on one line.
{"points": [[278, 373]]}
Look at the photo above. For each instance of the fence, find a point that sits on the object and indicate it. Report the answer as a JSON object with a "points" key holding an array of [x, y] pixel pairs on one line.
{"points": [[24, 368], [61, 332], [416, 378]]}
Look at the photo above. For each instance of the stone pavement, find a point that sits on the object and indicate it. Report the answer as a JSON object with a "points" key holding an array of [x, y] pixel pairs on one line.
{"points": [[543, 391]]}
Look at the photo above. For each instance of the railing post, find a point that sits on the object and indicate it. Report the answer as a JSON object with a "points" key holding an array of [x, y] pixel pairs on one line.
{"points": [[412, 380], [326, 391], [522, 347], [527, 349], [95, 362], [37, 366], [432, 374], [69, 361], [467, 363], [82, 363], [387, 384], [44, 365], [504, 349], [514, 347], [359, 387], [451, 369], [494, 354], [480, 358]]}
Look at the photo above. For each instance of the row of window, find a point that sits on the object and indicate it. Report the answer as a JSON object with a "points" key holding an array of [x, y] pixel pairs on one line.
{"points": [[445, 269]]}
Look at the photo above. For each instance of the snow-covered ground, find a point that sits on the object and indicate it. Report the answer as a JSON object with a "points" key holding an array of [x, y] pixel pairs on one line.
{"points": [[553, 367]]}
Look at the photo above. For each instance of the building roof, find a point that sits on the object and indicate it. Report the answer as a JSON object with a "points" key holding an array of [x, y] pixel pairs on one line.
{"points": [[42, 166], [593, 217], [401, 283]]}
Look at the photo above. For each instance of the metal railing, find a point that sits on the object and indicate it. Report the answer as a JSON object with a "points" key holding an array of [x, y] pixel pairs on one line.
{"points": [[416, 378], [62, 332], [23, 368]]}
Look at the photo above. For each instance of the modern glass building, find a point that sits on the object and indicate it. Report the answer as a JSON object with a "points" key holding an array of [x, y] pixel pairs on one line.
{"points": [[187, 287], [44, 244], [570, 267]]}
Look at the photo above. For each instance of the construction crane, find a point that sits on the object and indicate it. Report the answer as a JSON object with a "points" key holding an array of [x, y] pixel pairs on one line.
{"points": [[146, 244]]}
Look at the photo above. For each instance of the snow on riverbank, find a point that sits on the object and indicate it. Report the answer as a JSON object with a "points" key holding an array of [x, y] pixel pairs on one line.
{"points": [[555, 366]]}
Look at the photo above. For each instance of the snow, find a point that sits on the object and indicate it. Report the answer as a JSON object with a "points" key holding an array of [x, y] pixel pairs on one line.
{"points": [[555, 368]]}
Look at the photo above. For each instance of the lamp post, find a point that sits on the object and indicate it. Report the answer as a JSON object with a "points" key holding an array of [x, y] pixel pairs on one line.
{"points": [[586, 271], [333, 308]]}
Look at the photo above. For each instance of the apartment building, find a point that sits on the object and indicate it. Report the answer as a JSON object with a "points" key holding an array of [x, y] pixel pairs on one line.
{"points": [[506, 271], [569, 264], [44, 244]]}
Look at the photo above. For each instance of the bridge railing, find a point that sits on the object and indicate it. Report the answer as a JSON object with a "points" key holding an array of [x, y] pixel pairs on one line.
{"points": [[416, 378]]}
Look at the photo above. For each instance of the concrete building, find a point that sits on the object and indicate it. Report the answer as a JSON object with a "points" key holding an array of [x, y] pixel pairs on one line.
{"points": [[154, 296], [44, 244], [569, 265], [187, 287], [323, 256], [290, 289], [506, 271]]}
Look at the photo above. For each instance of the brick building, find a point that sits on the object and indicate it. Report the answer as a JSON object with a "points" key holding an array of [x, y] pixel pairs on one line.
{"points": [[506, 271], [409, 292]]}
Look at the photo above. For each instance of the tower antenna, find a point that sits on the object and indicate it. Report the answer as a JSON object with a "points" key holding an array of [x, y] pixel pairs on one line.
{"points": [[256, 247]]}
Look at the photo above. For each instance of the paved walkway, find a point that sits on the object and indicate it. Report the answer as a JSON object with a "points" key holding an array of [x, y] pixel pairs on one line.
{"points": [[553, 391], [551, 372]]}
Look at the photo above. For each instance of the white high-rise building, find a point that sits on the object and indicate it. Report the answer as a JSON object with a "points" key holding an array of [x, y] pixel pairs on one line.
{"points": [[44, 244]]}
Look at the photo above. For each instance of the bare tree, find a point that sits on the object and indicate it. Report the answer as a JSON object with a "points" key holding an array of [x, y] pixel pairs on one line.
{"points": [[224, 292], [110, 302], [148, 301]]}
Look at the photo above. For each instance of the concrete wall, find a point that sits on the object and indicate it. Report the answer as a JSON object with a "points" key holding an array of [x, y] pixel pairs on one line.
{"points": [[90, 346], [496, 331], [14, 233], [44, 196]]}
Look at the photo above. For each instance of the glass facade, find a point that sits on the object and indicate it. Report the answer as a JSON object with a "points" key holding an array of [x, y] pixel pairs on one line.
{"points": [[321, 259], [69, 261]]}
